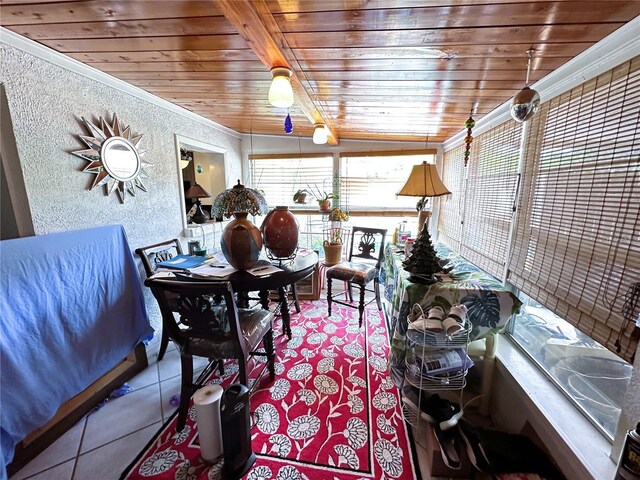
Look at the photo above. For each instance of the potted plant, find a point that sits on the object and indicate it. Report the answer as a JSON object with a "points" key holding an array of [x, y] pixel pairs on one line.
{"points": [[301, 196], [333, 247], [338, 215], [323, 198]]}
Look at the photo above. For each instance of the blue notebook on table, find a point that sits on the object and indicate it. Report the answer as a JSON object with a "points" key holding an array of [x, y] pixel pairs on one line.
{"points": [[182, 262]]}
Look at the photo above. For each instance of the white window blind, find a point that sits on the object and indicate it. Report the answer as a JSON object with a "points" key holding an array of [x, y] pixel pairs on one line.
{"points": [[370, 181], [490, 195], [450, 217], [280, 176], [577, 244]]}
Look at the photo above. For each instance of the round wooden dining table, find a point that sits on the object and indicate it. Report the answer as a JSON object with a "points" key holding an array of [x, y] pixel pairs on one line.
{"points": [[292, 271]]}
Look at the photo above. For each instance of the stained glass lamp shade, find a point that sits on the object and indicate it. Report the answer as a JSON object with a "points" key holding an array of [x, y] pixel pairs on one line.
{"points": [[241, 241]]}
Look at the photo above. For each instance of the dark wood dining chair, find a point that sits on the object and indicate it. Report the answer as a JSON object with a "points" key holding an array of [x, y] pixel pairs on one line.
{"points": [[151, 256], [362, 266], [215, 331]]}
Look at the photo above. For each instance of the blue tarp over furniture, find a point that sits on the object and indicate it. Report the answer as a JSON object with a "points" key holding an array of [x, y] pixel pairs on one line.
{"points": [[71, 308]]}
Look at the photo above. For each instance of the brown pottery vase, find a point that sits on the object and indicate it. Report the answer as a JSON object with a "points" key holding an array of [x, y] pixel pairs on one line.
{"points": [[241, 242], [280, 232]]}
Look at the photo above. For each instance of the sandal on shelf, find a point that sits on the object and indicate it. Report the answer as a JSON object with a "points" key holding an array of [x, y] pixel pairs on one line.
{"points": [[415, 314], [434, 320], [455, 320]]}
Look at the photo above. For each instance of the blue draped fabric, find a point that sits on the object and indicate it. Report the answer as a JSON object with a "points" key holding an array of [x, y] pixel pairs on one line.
{"points": [[71, 308]]}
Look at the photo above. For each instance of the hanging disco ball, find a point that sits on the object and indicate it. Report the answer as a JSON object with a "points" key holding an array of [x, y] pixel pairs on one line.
{"points": [[525, 104]]}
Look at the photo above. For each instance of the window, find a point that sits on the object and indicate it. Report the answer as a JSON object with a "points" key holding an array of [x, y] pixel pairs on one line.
{"points": [[576, 246], [587, 373], [450, 219], [575, 254], [490, 196], [280, 176], [370, 181]]}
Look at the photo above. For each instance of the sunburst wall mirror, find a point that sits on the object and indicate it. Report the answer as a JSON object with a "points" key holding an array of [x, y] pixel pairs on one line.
{"points": [[114, 156]]}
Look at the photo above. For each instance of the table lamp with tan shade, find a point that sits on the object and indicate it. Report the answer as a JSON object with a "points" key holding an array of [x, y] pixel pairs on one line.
{"points": [[197, 192], [424, 182]]}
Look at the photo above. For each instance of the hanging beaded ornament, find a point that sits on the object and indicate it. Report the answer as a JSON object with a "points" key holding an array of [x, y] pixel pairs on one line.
{"points": [[469, 124]]}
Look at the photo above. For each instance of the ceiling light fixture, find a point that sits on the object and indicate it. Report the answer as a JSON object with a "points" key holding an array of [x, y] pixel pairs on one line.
{"points": [[527, 101], [280, 92], [320, 135]]}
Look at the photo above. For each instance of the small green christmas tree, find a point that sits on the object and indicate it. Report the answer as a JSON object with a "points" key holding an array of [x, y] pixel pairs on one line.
{"points": [[423, 261]]}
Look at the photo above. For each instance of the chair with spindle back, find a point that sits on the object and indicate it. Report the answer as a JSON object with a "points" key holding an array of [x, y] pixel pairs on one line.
{"points": [[151, 256]]}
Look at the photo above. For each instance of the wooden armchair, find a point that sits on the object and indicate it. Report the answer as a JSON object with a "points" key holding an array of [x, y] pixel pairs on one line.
{"points": [[210, 330], [151, 256]]}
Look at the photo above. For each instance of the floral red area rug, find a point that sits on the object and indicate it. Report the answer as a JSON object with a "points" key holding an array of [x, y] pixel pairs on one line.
{"points": [[332, 412]]}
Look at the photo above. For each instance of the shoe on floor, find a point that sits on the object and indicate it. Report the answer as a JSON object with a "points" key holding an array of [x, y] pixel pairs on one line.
{"points": [[449, 447], [433, 408], [475, 452], [443, 412]]}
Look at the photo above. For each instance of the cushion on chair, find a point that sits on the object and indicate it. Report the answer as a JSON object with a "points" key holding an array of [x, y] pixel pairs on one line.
{"points": [[254, 323], [358, 273]]}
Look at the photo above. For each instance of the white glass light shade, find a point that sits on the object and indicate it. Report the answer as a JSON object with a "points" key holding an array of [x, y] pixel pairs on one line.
{"points": [[280, 92], [183, 164], [320, 135]]}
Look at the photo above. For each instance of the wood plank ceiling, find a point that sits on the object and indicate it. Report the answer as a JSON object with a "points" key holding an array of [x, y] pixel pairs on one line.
{"points": [[372, 69]]}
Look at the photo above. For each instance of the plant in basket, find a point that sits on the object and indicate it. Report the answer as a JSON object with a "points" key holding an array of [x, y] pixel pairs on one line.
{"points": [[333, 247]]}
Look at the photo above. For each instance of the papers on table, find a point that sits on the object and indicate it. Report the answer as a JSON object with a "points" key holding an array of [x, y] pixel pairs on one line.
{"points": [[163, 274], [263, 270], [214, 270], [218, 257]]}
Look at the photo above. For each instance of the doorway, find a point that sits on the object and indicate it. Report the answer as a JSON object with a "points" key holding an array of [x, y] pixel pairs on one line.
{"points": [[200, 163]]}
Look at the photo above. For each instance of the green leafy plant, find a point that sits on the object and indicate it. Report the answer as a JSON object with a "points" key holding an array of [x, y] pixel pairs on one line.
{"points": [[335, 236], [321, 196], [300, 195]]}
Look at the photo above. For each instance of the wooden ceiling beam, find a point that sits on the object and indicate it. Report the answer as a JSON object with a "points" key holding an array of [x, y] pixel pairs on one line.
{"points": [[258, 28]]}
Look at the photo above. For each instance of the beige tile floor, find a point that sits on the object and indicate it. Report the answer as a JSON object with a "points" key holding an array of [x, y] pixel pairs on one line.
{"points": [[104, 442]]}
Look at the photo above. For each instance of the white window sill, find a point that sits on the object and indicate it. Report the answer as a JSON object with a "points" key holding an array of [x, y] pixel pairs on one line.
{"points": [[577, 447]]}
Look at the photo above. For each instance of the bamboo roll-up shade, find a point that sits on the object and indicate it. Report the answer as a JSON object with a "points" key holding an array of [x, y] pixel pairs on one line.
{"points": [[372, 181], [490, 195], [450, 217], [280, 178], [577, 238]]}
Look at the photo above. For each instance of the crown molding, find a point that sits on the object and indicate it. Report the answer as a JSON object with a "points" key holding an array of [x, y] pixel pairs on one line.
{"points": [[616, 48], [56, 58]]}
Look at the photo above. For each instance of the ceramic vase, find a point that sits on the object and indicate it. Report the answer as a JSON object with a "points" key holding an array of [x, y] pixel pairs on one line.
{"points": [[241, 242], [280, 232]]}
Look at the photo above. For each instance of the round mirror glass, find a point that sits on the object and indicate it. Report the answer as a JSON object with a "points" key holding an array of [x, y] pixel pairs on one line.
{"points": [[120, 158]]}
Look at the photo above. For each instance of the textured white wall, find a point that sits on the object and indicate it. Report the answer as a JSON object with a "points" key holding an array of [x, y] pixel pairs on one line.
{"points": [[46, 102]]}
